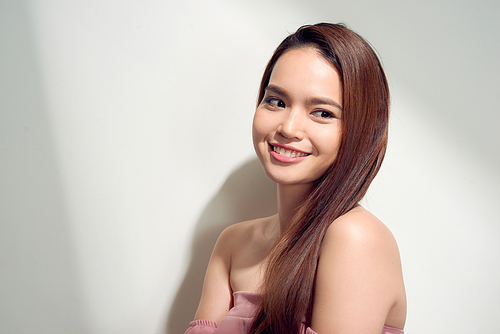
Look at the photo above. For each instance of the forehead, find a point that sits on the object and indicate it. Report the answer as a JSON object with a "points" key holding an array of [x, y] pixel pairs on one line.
{"points": [[304, 71]]}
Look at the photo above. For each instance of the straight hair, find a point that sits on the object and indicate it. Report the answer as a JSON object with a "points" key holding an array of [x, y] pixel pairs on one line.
{"points": [[291, 263]]}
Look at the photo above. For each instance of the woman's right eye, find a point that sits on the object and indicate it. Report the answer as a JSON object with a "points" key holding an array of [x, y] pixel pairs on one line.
{"points": [[274, 102]]}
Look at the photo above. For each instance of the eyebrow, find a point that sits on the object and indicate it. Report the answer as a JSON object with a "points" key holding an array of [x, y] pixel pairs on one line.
{"points": [[314, 100]]}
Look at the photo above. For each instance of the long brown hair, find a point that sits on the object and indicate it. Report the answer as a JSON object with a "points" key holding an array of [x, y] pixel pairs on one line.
{"points": [[291, 267]]}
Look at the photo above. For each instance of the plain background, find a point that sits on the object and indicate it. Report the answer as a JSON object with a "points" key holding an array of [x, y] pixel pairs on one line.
{"points": [[125, 148]]}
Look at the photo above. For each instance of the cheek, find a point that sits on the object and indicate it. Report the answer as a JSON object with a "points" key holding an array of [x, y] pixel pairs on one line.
{"points": [[260, 126], [329, 143], [256, 133]]}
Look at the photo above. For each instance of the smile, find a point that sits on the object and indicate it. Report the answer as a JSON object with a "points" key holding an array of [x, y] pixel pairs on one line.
{"points": [[288, 153]]}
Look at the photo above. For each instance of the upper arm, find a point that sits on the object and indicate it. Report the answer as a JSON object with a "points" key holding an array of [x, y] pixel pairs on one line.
{"points": [[216, 297], [357, 275]]}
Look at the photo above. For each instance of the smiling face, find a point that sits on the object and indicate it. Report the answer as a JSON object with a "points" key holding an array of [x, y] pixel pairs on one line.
{"points": [[297, 125]]}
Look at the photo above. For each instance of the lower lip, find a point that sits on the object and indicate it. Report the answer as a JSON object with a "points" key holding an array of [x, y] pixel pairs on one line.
{"points": [[284, 158]]}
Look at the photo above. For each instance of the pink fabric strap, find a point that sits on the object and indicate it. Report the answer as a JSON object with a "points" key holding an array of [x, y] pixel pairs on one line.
{"points": [[201, 327], [209, 327], [385, 330], [239, 318]]}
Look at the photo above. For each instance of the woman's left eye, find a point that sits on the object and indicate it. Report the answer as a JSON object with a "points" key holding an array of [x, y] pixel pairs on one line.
{"points": [[323, 114]]}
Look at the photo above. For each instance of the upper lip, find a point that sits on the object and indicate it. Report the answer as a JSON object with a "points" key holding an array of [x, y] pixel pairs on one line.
{"points": [[287, 147]]}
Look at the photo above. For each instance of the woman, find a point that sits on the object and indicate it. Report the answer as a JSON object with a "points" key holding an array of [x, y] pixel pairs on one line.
{"points": [[322, 264]]}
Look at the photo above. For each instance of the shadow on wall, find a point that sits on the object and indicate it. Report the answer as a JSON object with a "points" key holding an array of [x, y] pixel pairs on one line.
{"points": [[247, 194], [40, 290]]}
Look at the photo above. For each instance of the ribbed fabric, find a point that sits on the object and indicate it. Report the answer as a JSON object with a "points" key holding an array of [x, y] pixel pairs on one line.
{"points": [[239, 319]]}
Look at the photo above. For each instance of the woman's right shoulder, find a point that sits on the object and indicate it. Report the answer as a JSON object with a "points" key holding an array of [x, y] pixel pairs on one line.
{"points": [[242, 233]]}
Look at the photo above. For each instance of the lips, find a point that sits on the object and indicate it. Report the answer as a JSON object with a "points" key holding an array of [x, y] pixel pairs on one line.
{"points": [[286, 154]]}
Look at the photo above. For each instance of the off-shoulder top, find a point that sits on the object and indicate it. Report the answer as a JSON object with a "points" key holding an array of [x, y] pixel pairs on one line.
{"points": [[239, 318]]}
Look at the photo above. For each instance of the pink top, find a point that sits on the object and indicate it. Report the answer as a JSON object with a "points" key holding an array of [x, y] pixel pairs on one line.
{"points": [[239, 319]]}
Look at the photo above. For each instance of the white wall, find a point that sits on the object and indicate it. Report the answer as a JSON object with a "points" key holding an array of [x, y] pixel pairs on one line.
{"points": [[125, 147]]}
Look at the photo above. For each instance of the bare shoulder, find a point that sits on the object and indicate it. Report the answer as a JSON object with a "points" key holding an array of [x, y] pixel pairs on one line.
{"points": [[216, 298], [360, 241], [247, 240], [360, 228], [359, 284], [242, 233]]}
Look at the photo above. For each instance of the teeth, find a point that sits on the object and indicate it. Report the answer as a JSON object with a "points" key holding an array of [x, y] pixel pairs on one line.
{"points": [[288, 153]]}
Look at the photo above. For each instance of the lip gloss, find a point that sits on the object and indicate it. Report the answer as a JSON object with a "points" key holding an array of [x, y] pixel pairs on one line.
{"points": [[284, 158]]}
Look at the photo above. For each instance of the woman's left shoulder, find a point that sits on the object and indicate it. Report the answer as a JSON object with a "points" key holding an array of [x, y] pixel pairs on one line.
{"points": [[359, 284], [359, 242], [360, 229]]}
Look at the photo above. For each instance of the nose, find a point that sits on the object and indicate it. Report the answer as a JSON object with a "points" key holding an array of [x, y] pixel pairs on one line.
{"points": [[291, 126]]}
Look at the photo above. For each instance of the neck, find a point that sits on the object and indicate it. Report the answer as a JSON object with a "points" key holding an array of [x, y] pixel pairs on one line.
{"points": [[289, 198]]}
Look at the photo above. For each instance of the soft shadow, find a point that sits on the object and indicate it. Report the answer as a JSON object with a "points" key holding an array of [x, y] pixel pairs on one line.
{"points": [[40, 291], [247, 193]]}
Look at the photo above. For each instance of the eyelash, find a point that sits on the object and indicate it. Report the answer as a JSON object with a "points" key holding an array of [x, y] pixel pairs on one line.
{"points": [[275, 103], [328, 113]]}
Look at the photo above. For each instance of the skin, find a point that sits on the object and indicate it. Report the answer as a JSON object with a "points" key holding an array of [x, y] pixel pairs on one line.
{"points": [[359, 285]]}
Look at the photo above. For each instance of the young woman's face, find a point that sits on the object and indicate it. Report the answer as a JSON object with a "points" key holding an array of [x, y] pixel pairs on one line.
{"points": [[297, 125]]}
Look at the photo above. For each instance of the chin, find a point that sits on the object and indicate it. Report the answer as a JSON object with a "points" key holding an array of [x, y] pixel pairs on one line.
{"points": [[284, 179]]}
